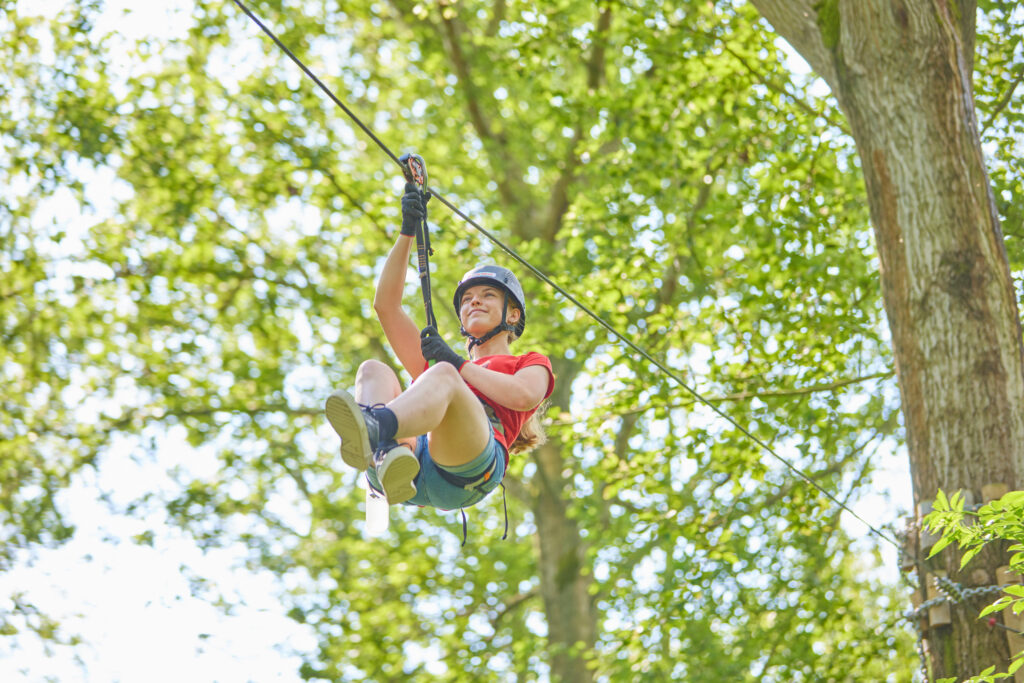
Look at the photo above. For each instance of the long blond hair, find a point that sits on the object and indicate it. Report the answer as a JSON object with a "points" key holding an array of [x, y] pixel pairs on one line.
{"points": [[532, 434]]}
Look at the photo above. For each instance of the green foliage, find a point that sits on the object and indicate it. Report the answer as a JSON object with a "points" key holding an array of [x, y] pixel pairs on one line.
{"points": [[1000, 520], [990, 674], [1000, 101], [971, 530], [212, 278]]}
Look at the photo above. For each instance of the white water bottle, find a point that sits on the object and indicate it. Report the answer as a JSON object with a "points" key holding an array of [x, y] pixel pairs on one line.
{"points": [[376, 513]]}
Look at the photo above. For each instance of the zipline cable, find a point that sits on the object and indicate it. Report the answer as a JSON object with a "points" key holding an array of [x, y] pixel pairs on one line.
{"points": [[576, 302]]}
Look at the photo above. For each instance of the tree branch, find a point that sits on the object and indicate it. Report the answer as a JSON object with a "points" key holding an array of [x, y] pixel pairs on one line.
{"points": [[558, 204], [782, 90], [497, 16], [1004, 100], [744, 395], [506, 607], [797, 22], [351, 199], [160, 415], [496, 144]]}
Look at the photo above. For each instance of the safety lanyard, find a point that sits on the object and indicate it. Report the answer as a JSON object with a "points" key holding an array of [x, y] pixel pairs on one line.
{"points": [[415, 171]]}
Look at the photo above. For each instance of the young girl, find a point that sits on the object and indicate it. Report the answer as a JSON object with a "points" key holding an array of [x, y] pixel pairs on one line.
{"points": [[445, 440]]}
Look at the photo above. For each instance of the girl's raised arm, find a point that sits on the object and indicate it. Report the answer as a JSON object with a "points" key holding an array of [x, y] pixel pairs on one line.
{"points": [[400, 330]]}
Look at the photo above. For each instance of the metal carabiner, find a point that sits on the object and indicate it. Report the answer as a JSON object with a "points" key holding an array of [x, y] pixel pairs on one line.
{"points": [[414, 169]]}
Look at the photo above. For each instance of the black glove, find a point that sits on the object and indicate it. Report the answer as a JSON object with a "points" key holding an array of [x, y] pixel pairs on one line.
{"points": [[435, 348], [414, 209]]}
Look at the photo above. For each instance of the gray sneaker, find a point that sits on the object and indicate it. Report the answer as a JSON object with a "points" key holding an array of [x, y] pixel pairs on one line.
{"points": [[397, 467], [357, 429]]}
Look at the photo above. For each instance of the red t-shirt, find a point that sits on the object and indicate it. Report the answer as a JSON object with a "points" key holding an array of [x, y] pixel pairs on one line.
{"points": [[508, 422]]}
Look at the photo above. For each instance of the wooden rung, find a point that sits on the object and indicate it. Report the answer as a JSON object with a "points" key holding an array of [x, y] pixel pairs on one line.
{"points": [[1015, 641], [990, 492], [940, 615], [1014, 621], [1004, 576]]}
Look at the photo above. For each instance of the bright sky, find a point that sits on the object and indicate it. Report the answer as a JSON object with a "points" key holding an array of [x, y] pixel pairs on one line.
{"points": [[132, 604]]}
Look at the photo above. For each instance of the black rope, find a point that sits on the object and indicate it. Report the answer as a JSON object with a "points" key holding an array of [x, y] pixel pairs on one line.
{"points": [[576, 302], [423, 254]]}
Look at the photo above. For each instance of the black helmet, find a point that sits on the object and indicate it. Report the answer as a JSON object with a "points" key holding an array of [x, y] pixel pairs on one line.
{"points": [[504, 279]]}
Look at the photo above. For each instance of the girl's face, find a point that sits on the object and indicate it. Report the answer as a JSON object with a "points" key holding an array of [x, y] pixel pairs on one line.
{"points": [[480, 309]]}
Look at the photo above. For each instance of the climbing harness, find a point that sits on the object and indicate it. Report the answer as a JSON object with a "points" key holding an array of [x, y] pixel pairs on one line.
{"points": [[669, 372]]}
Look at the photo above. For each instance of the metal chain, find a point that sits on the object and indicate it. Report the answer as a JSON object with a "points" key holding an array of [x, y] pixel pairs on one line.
{"points": [[911, 527], [921, 654], [951, 592]]}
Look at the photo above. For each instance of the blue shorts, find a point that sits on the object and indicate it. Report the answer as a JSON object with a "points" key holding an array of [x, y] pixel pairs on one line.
{"points": [[450, 488]]}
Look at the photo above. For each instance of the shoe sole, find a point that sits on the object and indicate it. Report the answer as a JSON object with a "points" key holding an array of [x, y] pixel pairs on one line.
{"points": [[346, 418], [396, 473]]}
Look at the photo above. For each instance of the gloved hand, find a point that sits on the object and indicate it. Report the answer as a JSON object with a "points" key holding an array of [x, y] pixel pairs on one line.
{"points": [[435, 348], [414, 209]]}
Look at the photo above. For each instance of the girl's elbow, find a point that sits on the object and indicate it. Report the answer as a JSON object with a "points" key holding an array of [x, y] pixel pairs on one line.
{"points": [[525, 403], [385, 309]]}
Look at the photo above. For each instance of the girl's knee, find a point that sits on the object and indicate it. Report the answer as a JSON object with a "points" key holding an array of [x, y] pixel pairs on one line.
{"points": [[372, 367], [444, 372], [375, 371]]}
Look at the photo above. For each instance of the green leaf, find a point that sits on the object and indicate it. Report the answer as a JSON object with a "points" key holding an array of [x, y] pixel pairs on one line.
{"points": [[939, 545], [995, 606], [969, 555]]}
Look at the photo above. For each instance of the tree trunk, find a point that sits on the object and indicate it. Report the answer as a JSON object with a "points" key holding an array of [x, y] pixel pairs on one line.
{"points": [[902, 73], [564, 576]]}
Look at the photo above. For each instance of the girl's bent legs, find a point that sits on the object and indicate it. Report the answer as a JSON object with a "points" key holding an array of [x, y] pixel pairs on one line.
{"points": [[376, 383], [395, 469], [440, 403]]}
